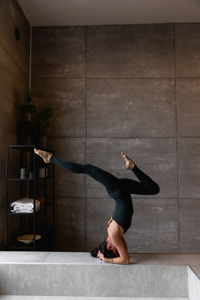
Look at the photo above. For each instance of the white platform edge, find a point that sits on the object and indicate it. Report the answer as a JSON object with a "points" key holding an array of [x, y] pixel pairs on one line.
{"points": [[11, 297], [193, 285]]}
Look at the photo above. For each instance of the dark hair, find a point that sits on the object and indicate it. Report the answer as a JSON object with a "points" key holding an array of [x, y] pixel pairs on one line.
{"points": [[103, 249]]}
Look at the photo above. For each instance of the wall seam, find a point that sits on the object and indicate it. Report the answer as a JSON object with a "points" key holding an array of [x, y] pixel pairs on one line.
{"points": [[176, 116], [122, 137], [13, 59], [135, 197], [114, 78], [30, 59], [85, 244]]}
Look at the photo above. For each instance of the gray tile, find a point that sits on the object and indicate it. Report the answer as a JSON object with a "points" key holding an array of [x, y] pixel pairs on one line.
{"points": [[7, 137], [143, 258], [130, 51], [12, 84], [70, 195], [87, 280], [66, 52], [156, 157], [188, 107], [66, 97], [188, 167], [70, 224], [68, 184], [189, 225], [142, 298], [98, 213], [22, 257], [83, 298], [151, 281], [187, 50], [11, 17], [71, 258], [166, 259], [154, 226], [70, 298], [177, 259], [36, 279], [130, 108]]}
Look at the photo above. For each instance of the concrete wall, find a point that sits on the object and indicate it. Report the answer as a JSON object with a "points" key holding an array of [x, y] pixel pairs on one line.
{"points": [[14, 69], [133, 88]]}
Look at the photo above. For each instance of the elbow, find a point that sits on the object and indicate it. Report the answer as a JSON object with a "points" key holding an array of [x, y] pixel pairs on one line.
{"points": [[126, 261]]}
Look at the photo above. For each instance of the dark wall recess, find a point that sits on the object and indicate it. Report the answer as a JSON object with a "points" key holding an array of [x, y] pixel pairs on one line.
{"points": [[17, 34]]}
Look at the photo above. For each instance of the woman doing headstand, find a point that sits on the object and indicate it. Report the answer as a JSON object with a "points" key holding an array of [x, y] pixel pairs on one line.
{"points": [[113, 249]]}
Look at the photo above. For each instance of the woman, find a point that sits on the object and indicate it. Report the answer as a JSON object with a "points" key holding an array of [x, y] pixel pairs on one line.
{"points": [[113, 249]]}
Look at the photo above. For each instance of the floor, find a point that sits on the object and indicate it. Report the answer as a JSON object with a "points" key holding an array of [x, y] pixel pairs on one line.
{"points": [[84, 258], [81, 298], [193, 260]]}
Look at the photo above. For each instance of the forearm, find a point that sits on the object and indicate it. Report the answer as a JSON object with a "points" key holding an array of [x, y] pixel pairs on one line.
{"points": [[117, 260]]}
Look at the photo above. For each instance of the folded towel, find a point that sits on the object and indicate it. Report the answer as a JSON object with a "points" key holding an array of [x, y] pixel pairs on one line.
{"points": [[25, 203], [37, 206], [27, 211], [31, 205]]}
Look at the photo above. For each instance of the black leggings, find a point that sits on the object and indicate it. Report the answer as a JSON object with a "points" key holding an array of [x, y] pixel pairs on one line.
{"points": [[146, 186]]}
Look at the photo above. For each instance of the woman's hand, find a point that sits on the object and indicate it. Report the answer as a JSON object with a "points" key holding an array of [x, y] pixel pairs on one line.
{"points": [[100, 255]]}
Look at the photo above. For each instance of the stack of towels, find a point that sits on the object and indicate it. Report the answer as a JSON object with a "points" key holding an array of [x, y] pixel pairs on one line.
{"points": [[24, 205]]}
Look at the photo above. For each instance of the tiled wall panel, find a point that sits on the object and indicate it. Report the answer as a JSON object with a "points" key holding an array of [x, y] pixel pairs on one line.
{"points": [[131, 88]]}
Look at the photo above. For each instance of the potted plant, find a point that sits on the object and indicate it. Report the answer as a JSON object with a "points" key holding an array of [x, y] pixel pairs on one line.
{"points": [[33, 124]]}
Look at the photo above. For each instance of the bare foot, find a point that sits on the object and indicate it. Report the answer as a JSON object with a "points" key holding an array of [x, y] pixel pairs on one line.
{"points": [[46, 156], [129, 162]]}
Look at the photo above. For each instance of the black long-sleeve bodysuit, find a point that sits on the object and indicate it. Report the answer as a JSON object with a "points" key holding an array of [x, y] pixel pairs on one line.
{"points": [[119, 189]]}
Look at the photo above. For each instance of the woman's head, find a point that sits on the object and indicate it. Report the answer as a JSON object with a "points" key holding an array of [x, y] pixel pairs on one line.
{"points": [[105, 248]]}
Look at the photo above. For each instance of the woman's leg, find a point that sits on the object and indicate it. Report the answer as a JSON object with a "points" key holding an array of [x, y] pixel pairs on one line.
{"points": [[146, 186], [110, 182]]}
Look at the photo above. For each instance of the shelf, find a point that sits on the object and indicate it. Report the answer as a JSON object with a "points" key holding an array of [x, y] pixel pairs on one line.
{"points": [[19, 214], [27, 179], [20, 248], [36, 186], [28, 147], [23, 246], [19, 179], [43, 244], [22, 147]]}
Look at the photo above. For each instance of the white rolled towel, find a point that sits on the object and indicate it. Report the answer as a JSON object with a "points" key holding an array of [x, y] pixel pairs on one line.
{"points": [[25, 204]]}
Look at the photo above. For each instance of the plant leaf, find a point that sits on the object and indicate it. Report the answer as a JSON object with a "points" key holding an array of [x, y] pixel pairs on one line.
{"points": [[45, 114]]}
